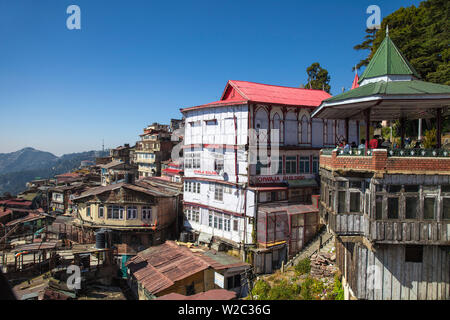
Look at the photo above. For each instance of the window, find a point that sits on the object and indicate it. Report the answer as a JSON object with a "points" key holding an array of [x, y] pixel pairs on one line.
{"points": [[198, 187], [235, 225], [131, 213], [218, 192], [195, 214], [379, 207], [218, 165], [394, 188], [304, 164], [341, 202], [110, 212], [413, 253], [446, 208], [429, 208], [367, 208], [392, 208], [210, 219], [412, 188], [220, 219], [354, 201], [187, 213], [226, 222], [216, 225], [280, 165], [291, 165], [146, 213], [315, 164], [411, 206], [355, 184], [88, 211], [228, 190], [211, 122], [101, 212], [121, 212], [196, 161], [188, 160]]}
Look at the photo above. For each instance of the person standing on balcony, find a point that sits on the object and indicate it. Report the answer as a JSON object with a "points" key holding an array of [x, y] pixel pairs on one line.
{"points": [[363, 144]]}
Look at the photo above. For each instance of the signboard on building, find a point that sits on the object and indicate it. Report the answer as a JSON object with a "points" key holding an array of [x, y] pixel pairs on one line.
{"points": [[219, 279], [278, 178]]}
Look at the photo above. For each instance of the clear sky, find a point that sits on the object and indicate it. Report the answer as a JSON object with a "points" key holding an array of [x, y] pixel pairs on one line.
{"points": [[135, 62]]}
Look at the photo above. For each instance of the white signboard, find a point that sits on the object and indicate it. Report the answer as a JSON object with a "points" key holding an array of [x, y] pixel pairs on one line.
{"points": [[218, 279]]}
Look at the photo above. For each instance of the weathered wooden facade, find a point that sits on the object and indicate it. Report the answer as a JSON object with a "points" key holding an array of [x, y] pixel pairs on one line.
{"points": [[389, 207], [141, 215]]}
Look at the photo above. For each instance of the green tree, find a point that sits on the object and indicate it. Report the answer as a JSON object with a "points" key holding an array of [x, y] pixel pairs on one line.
{"points": [[318, 78], [422, 35], [365, 45]]}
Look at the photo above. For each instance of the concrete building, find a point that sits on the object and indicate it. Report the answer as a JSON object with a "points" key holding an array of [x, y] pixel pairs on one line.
{"points": [[224, 182], [155, 146], [389, 209]]}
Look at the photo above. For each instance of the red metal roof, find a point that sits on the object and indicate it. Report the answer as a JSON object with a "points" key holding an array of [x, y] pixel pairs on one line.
{"points": [[157, 268], [239, 92], [170, 170]]}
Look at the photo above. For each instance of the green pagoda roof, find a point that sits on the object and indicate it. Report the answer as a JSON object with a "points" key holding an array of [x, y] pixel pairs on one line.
{"points": [[413, 87], [388, 60]]}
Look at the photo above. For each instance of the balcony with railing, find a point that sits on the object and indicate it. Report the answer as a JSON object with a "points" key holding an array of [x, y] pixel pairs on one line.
{"points": [[417, 161]]}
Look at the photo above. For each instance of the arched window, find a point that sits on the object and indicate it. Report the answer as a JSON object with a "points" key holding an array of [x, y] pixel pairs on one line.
{"points": [[277, 124], [304, 130], [291, 132], [261, 124]]}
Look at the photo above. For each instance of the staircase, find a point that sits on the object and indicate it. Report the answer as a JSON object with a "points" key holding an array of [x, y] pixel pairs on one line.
{"points": [[314, 246]]}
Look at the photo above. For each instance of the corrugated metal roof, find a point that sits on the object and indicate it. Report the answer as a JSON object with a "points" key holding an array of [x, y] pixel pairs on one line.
{"points": [[245, 91], [159, 267]]}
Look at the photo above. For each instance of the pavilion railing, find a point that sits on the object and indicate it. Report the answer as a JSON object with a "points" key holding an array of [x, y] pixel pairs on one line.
{"points": [[354, 152], [419, 153], [327, 152]]}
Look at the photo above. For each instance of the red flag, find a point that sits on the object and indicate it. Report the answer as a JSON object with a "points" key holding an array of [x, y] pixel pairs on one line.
{"points": [[355, 81]]}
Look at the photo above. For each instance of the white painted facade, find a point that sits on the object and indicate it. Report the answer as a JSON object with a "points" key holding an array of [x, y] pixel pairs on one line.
{"points": [[216, 141]]}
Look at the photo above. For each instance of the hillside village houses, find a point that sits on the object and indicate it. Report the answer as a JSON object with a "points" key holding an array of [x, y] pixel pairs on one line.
{"points": [[257, 177]]}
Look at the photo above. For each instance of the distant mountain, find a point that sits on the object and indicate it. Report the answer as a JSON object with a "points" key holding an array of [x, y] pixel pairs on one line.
{"points": [[17, 168], [25, 159]]}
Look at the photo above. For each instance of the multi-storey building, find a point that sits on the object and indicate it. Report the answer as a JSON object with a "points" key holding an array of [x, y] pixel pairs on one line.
{"points": [[140, 214], [121, 153], [224, 183], [389, 208], [155, 146]]}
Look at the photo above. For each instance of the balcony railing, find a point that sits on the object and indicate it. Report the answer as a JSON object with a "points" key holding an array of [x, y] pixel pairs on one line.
{"points": [[419, 153]]}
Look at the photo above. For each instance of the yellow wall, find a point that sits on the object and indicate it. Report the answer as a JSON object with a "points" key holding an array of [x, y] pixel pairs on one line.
{"points": [[116, 222]]}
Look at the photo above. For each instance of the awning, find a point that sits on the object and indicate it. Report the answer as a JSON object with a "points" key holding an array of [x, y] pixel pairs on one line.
{"points": [[204, 237], [303, 183]]}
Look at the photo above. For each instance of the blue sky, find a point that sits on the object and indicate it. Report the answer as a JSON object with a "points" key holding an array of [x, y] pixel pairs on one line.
{"points": [[135, 62]]}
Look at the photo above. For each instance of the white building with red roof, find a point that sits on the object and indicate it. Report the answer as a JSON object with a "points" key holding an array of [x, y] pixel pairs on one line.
{"points": [[224, 184]]}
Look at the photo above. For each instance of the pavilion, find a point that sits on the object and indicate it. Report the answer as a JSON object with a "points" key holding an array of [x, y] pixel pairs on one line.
{"points": [[389, 89]]}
